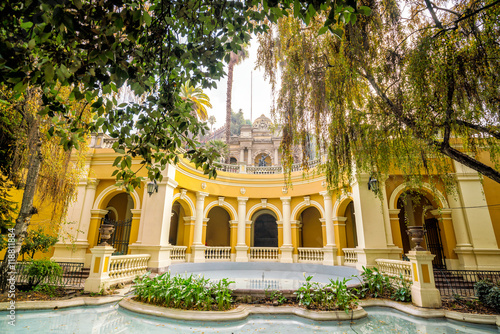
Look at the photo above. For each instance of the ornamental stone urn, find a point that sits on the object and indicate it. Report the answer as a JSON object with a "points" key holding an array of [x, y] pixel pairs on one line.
{"points": [[106, 230], [416, 233]]}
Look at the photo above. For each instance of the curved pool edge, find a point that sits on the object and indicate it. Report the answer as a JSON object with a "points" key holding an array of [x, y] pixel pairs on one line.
{"points": [[483, 319], [239, 313], [57, 304]]}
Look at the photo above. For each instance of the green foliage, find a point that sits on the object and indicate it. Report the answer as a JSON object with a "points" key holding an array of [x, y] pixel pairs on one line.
{"points": [[376, 285], [191, 292], [276, 296], [401, 289], [333, 296], [43, 272], [393, 89], [37, 241], [488, 293], [220, 147], [237, 121]]}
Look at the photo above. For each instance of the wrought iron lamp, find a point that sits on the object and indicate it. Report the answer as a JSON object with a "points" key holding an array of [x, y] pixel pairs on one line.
{"points": [[152, 187], [373, 184]]}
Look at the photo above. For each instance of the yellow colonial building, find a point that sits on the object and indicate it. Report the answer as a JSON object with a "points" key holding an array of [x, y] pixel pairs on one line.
{"points": [[247, 214]]}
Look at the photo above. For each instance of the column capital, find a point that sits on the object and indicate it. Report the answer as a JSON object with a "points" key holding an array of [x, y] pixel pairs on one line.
{"points": [[394, 211], [286, 199], [201, 195], [98, 212], [169, 182], [242, 199], [92, 183], [441, 212], [339, 219], [326, 194], [136, 212]]}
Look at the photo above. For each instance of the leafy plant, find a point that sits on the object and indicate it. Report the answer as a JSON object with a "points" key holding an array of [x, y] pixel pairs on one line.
{"points": [[37, 241], [185, 292], [375, 283], [402, 289], [277, 296], [305, 294], [345, 299], [43, 271], [488, 293]]}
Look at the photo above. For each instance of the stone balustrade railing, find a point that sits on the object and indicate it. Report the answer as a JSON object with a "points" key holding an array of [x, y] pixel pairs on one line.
{"points": [[99, 141], [264, 254], [178, 254], [350, 256], [264, 170], [216, 253], [124, 268], [228, 168], [311, 255], [394, 268]]}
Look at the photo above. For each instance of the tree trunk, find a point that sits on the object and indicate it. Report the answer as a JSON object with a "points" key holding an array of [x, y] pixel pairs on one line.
{"points": [[233, 60], [26, 211]]}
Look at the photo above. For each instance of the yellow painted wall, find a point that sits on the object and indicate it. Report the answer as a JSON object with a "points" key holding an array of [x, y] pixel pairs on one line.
{"points": [[312, 235]]}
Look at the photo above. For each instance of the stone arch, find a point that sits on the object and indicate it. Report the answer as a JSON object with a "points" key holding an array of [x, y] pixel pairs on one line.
{"points": [[233, 160], [262, 205], [232, 212], [304, 205], [186, 203], [426, 188], [265, 229], [341, 204], [263, 151], [218, 230], [108, 193]]}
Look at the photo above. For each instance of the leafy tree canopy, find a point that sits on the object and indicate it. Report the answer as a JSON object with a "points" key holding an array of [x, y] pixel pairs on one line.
{"points": [[237, 121], [409, 86]]}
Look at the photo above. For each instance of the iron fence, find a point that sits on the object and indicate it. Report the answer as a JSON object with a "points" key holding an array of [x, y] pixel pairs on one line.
{"points": [[73, 274], [461, 282]]}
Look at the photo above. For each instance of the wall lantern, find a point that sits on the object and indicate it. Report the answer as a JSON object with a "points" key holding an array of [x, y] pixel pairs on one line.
{"points": [[373, 184], [152, 187]]}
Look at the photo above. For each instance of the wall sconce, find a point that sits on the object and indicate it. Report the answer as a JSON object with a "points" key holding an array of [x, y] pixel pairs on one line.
{"points": [[373, 184], [152, 187]]}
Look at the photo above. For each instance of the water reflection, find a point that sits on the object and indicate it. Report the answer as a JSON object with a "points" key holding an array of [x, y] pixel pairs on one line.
{"points": [[112, 319]]}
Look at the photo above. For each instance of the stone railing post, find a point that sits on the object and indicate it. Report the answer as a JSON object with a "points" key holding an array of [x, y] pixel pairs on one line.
{"points": [[423, 290], [98, 279]]}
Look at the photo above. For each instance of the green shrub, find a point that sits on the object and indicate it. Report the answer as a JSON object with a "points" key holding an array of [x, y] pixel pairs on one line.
{"points": [[492, 299], [44, 271], [482, 289], [190, 292], [401, 289]]}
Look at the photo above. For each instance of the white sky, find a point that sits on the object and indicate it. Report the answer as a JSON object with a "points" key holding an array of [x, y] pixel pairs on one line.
{"points": [[241, 91]]}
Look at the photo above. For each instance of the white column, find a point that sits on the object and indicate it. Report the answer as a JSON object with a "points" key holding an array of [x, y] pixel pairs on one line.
{"points": [[387, 218], [84, 225], [370, 225], [154, 226], [241, 247], [330, 233], [286, 248], [242, 154], [477, 219], [276, 162], [198, 249], [330, 249], [250, 162]]}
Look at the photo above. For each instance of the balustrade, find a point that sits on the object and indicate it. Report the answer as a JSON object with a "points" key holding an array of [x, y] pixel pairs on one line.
{"points": [[215, 253], [124, 268], [311, 255], [350, 256], [264, 254], [178, 254], [394, 268]]}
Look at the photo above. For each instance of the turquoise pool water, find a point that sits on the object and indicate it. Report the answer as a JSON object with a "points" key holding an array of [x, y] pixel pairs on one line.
{"points": [[113, 319], [265, 275]]}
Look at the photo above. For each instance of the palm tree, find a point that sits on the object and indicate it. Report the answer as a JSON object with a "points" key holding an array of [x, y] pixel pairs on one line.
{"points": [[219, 146], [234, 59], [211, 121], [198, 99]]}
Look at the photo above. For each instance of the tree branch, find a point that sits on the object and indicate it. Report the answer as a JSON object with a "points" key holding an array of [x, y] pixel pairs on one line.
{"points": [[433, 14], [479, 128]]}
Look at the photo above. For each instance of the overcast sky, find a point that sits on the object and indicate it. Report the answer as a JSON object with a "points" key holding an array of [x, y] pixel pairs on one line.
{"points": [[241, 91]]}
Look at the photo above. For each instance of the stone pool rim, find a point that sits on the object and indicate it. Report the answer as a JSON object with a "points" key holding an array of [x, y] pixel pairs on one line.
{"points": [[484, 319]]}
